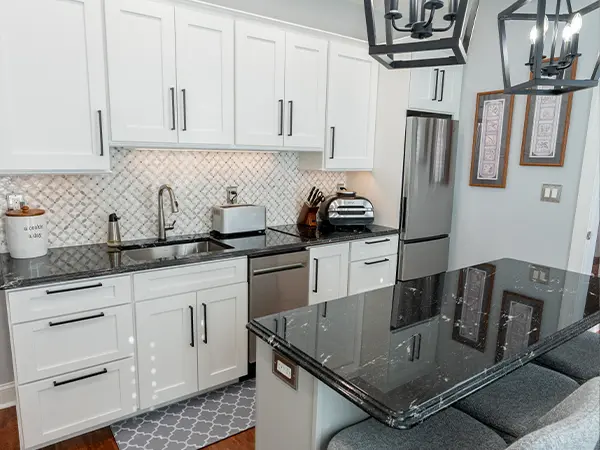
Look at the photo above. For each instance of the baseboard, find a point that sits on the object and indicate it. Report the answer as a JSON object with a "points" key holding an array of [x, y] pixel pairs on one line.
{"points": [[7, 395]]}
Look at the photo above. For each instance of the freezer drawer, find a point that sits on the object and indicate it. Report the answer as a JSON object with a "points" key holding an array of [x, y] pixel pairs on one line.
{"points": [[422, 259]]}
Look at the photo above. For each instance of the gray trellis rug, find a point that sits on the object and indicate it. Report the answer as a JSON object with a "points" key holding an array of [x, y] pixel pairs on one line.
{"points": [[191, 424]]}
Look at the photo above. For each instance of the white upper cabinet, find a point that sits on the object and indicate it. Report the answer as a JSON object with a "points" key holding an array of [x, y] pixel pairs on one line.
{"points": [[351, 107], [142, 71], [259, 84], [305, 91], [351, 110], [436, 89], [52, 87], [204, 77]]}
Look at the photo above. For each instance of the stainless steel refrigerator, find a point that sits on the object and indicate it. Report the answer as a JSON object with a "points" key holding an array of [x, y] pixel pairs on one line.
{"points": [[427, 195]]}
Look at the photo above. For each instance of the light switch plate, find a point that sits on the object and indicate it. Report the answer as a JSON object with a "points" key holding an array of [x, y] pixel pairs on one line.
{"points": [[14, 201], [539, 274], [551, 193]]}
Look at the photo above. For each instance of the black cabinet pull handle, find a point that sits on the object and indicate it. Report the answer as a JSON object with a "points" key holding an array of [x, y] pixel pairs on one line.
{"points": [[101, 130], [325, 309], [418, 347], [184, 107], [370, 263], [291, 103], [443, 83], [316, 288], [437, 79], [381, 241], [284, 328], [276, 326], [205, 340], [79, 288], [332, 142], [411, 356], [280, 118], [172, 90], [84, 377], [64, 322], [192, 341]]}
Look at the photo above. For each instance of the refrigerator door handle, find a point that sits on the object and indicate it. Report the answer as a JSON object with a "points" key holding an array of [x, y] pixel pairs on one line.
{"points": [[403, 213]]}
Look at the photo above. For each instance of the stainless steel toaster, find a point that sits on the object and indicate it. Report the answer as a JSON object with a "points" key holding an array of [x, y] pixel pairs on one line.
{"points": [[235, 219], [345, 208]]}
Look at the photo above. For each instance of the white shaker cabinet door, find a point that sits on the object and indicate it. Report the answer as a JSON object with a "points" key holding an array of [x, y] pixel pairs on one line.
{"points": [[142, 72], [166, 349], [259, 84], [205, 77], [351, 107], [223, 339], [52, 87], [305, 91], [328, 273]]}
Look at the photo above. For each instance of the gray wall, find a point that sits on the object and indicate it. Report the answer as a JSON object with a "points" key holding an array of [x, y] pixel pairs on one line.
{"points": [[494, 223]]}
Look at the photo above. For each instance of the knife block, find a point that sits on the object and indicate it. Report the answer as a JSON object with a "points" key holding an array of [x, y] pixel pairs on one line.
{"points": [[308, 215]]}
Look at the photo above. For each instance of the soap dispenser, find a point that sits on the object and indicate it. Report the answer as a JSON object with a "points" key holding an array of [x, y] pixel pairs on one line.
{"points": [[114, 233]]}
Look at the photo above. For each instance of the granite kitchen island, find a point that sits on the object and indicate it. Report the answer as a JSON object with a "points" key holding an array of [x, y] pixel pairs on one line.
{"points": [[404, 353]]}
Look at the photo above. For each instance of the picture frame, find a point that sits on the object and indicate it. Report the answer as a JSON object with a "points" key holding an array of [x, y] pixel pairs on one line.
{"points": [[491, 139], [471, 315], [519, 325], [545, 130]]}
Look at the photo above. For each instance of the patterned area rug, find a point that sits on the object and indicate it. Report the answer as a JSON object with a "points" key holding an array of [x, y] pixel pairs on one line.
{"points": [[191, 424]]}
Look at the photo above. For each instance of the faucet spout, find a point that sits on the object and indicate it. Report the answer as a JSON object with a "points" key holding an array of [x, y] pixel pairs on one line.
{"points": [[162, 228]]}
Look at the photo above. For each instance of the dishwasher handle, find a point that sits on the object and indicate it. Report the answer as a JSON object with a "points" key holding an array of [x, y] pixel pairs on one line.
{"points": [[276, 269]]}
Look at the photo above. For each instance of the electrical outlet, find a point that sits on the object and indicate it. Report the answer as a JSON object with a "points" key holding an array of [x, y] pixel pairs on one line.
{"points": [[232, 195], [340, 186], [551, 193], [14, 201]]}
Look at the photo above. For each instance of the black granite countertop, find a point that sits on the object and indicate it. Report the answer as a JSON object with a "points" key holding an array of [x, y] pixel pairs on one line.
{"points": [[87, 261], [404, 353]]}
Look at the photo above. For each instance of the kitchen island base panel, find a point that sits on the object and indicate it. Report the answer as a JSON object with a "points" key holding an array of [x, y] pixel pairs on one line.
{"points": [[302, 419]]}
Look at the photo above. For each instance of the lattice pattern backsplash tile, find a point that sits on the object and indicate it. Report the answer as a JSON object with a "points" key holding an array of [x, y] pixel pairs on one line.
{"points": [[78, 205]]}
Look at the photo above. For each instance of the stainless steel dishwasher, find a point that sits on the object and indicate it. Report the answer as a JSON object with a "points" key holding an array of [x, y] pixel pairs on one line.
{"points": [[277, 283]]}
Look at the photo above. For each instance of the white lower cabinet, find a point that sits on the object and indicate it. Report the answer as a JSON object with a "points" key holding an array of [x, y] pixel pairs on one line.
{"points": [[51, 347], [166, 357], [191, 342], [59, 406], [328, 272], [223, 345]]}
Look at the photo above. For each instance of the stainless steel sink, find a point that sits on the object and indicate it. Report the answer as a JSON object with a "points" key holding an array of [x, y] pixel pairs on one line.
{"points": [[174, 250]]}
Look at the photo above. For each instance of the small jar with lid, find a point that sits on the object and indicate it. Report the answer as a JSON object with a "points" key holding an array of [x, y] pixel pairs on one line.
{"points": [[26, 232]]}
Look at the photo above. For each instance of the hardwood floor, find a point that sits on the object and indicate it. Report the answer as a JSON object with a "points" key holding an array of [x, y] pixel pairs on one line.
{"points": [[102, 439]]}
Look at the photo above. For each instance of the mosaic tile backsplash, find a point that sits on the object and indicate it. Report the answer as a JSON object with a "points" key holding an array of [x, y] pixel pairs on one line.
{"points": [[78, 205]]}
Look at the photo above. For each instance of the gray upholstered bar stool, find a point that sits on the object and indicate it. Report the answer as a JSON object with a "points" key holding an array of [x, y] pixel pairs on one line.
{"points": [[573, 424], [449, 429], [579, 358], [512, 405]]}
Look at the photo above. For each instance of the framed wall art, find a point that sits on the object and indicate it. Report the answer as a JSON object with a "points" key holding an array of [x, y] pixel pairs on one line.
{"points": [[547, 120], [471, 316], [491, 139], [520, 322]]}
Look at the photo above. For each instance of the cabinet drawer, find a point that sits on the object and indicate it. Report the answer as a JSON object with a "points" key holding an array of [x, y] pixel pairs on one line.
{"points": [[162, 283], [374, 247], [372, 274], [68, 298], [60, 406], [51, 347]]}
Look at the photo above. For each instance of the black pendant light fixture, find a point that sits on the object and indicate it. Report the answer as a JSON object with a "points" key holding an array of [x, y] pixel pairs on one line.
{"points": [[422, 24], [550, 56]]}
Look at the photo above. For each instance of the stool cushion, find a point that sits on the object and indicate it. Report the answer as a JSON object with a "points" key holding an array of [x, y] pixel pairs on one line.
{"points": [[449, 429], [514, 404], [579, 358], [574, 424]]}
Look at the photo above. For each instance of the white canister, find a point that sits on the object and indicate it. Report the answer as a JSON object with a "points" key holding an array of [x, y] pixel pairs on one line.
{"points": [[26, 233]]}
